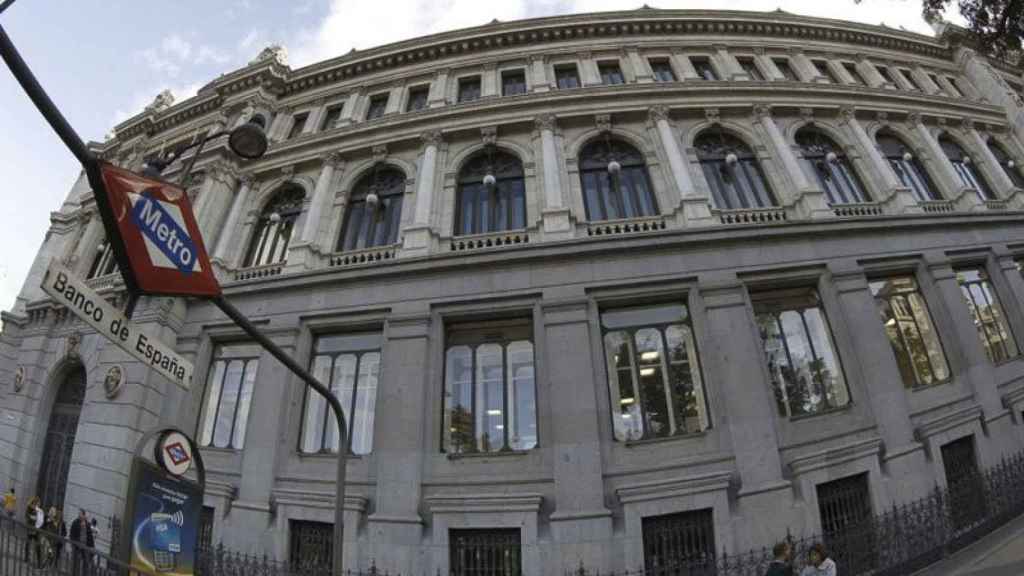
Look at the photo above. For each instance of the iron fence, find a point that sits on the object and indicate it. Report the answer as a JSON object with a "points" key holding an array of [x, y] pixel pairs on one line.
{"points": [[26, 551]]}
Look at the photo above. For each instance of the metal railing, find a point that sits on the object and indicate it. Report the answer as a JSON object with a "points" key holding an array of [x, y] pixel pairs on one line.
{"points": [[28, 551]]}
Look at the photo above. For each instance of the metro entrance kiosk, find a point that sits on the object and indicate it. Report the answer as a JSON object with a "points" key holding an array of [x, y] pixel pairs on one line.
{"points": [[159, 251]]}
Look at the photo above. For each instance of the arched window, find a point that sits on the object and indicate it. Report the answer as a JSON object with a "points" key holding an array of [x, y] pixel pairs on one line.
{"points": [[374, 211], [1011, 167], [104, 263], [907, 168], [965, 168], [274, 228], [825, 161], [732, 171], [491, 195], [615, 182], [60, 438]]}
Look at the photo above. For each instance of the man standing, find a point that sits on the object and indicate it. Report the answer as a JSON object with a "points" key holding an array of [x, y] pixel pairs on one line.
{"points": [[780, 565], [82, 537]]}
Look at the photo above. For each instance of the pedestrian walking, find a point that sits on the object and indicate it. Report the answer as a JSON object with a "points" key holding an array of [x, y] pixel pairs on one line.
{"points": [[10, 503], [96, 534], [59, 529], [818, 562], [782, 555], [34, 520], [81, 536]]}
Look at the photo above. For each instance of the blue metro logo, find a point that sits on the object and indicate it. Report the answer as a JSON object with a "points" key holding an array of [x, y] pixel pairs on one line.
{"points": [[163, 228]]}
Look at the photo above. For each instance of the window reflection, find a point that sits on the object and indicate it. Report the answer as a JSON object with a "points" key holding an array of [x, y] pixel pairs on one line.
{"points": [[910, 330], [989, 319], [229, 390]]}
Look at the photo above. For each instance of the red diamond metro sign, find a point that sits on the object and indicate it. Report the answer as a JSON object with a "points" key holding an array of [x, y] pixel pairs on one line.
{"points": [[160, 236]]}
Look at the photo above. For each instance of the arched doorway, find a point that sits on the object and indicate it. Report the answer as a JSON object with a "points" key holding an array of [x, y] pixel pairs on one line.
{"points": [[60, 439]]}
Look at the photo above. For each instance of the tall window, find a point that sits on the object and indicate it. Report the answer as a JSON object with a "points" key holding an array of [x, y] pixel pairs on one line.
{"points": [[935, 80], [844, 506], [228, 395], [750, 67], [654, 377], [682, 543], [909, 77], [490, 396], [417, 98], [823, 70], [615, 183], [705, 70], [566, 76], [1011, 167], [805, 371], [491, 195], [662, 70], [469, 89], [906, 166], [378, 104], [104, 263], [982, 301], [331, 116], [732, 171], [851, 69], [489, 551], [374, 211], [351, 364], [298, 123], [954, 85], [886, 75], [513, 82], [825, 161], [785, 69], [610, 72], [965, 168], [273, 229], [908, 324]]}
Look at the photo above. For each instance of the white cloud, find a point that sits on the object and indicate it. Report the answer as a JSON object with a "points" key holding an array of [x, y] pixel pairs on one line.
{"points": [[247, 45], [177, 46], [159, 63], [207, 53]]}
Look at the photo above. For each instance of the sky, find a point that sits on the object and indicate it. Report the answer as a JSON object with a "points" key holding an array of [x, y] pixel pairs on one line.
{"points": [[102, 61]]}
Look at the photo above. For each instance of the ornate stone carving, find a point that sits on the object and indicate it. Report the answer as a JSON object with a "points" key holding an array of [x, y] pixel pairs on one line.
{"points": [[762, 111], [603, 122], [248, 180], [712, 115], [273, 53], [847, 113], [882, 117], [380, 152], [940, 120], [967, 124], [915, 118], [113, 382], [287, 172], [334, 159], [658, 113], [19, 378], [546, 122], [807, 114], [163, 101], [489, 135], [71, 345], [759, 50], [432, 137]]}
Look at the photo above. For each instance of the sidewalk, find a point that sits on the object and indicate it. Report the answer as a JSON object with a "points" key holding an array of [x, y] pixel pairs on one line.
{"points": [[998, 554]]}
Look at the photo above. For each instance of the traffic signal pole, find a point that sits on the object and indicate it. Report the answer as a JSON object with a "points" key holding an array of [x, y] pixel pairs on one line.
{"points": [[91, 165]]}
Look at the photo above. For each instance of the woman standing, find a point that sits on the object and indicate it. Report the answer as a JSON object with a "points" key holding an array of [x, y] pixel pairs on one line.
{"points": [[34, 520], [818, 562]]}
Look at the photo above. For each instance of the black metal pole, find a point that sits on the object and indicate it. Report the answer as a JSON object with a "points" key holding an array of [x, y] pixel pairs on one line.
{"points": [[182, 180], [5, 5], [339, 416]]}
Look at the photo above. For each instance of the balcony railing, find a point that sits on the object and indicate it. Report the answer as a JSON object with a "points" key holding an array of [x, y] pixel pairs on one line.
{"points": [[752, 216], [857, 210], [264, 271], [996, 204], [937, 206], [493, 240], [631, 226], [364, 256]]}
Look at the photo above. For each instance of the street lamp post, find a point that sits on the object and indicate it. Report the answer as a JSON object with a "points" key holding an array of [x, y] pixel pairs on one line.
{"points": [[247, 141]]}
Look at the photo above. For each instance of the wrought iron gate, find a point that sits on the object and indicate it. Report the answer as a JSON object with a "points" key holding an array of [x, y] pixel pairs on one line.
{"points": [[312, 545], [966, 490], [492, 552], [847, 522], [675, 541], [60, 440]]}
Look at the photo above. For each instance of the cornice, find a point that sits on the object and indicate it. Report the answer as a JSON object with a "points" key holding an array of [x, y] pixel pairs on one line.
{"points": [[282, 81]]}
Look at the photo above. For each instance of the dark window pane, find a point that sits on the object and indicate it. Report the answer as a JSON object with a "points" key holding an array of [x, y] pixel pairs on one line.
{"points": [[851, 69], [311, 546], [682, 543], [417, 99], [469, 89], [906, 166], [886, 75], [823, 70], [377, 106], [826, 162], [273, 229], [610, 73], [330, 119], [483, 208], [298, 123], [750, 67], [909, 77], [567, 76], [662, 71], [704, 68], [785, 69], [607, 195], [369, 224], [513, 82], [480, 552], [732, 171]]}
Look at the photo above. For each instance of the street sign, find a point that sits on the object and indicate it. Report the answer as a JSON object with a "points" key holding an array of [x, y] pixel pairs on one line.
{"points": [[84, 302], [161, 239], [174, 452]]}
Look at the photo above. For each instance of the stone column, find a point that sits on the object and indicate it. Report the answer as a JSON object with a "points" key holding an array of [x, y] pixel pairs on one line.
{"points": [[768, 65], [417, 237], [394, 104], [684, 65], [967, 359], [214, 202], [925, 81], [395, 526], [641, 68], [966, 198], [990, 167], [904, 457], [555, 214], [85, 252], [228, 234], [810, 199], [348, 110], [538, 72], [489, 85], [581, 525], [748, 413], [321, 196], [900, 199], [278, 126], [802, 65], [589, 76], [695, 205], [438, 95], [870, 74], [731, 69]]}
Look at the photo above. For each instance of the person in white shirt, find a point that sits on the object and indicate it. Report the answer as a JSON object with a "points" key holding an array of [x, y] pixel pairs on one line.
{"points": [[818, 562]]}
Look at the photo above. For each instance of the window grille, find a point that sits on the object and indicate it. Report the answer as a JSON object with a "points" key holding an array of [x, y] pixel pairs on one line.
{"points": [[273, 230], [967, 495], [206, 519], [490, 552], [683, 541], [910, 330], [311, 547], [989, 319], [847, 523]]}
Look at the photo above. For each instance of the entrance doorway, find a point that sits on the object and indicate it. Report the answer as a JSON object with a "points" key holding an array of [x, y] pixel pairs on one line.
{"points": [[60, 439]]}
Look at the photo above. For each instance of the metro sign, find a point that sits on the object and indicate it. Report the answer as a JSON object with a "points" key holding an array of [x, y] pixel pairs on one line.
{"points": [[160, 237]]}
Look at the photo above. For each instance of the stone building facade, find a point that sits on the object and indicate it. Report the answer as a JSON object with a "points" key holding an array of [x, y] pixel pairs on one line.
{"points": [[577, 280]]}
